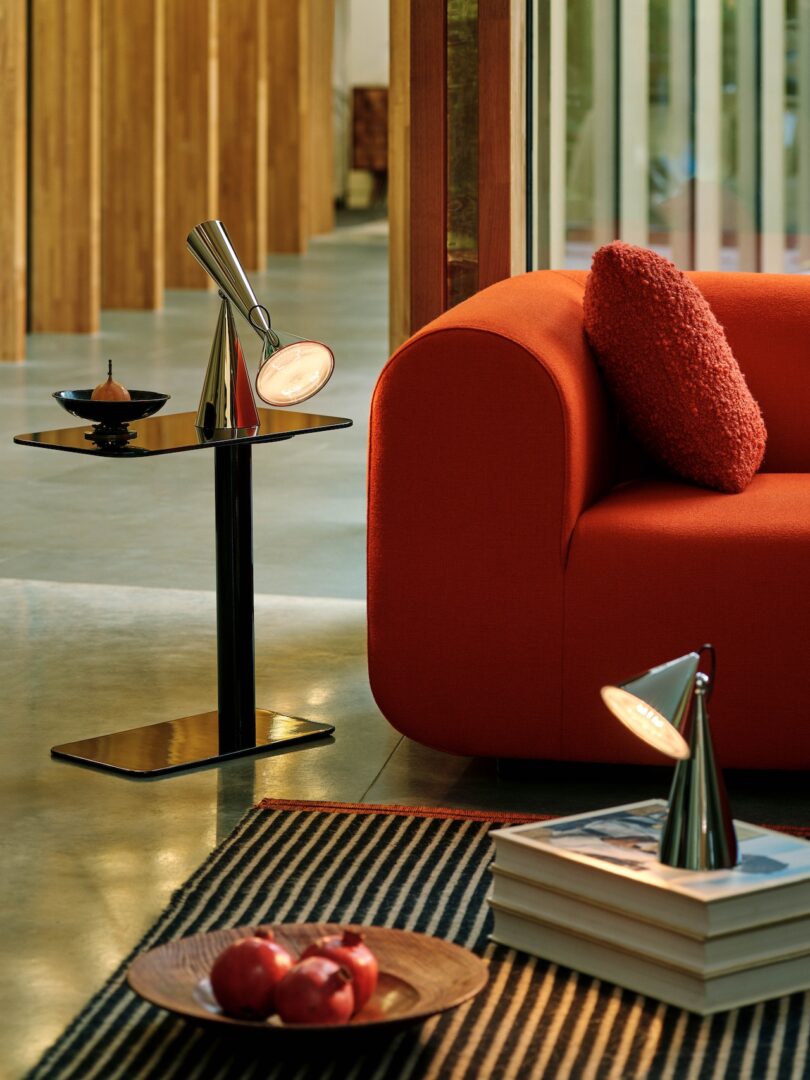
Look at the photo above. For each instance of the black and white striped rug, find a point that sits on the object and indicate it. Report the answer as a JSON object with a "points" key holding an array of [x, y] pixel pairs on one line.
{"points": [[425, 871]]}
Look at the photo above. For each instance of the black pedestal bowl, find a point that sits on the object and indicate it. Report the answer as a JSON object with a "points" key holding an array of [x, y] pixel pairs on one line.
{"points": [[111, 417]]}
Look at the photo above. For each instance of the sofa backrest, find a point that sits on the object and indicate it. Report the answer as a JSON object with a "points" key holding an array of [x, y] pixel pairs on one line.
{"points": [[766, 318]]}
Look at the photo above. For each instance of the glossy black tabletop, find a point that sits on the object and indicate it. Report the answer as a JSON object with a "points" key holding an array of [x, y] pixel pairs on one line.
{"points": [[176, 432]]}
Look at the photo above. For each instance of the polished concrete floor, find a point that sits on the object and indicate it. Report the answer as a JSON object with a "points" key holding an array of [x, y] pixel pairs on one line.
{"points": [[108, 613]]}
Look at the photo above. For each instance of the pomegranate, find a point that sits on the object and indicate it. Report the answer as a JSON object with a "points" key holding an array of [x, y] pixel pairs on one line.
{"points": [[350, 951], [245, 975], [315, 991]]}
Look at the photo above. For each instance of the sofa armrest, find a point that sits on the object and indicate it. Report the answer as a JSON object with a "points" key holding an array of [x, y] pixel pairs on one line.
{"points": [[490, 433], [540, 315]]}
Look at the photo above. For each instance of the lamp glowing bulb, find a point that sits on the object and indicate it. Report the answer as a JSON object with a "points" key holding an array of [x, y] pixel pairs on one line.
{"points": [[294, 373], [646, 722]]}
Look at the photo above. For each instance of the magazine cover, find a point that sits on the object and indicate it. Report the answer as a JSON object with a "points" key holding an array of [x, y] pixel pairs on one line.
{"points": [[625, 839]]}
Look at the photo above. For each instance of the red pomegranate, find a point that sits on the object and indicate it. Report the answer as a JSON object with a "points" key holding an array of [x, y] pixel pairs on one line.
{"points": [[315, 991], [349, 950], [245, 975]]}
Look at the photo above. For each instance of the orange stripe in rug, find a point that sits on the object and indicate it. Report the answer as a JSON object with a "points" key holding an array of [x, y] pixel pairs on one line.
{"points": [[516, 818], [411, 811]]}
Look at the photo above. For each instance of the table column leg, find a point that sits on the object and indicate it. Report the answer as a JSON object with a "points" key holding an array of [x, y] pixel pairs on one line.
{"points": [[235, 638]]}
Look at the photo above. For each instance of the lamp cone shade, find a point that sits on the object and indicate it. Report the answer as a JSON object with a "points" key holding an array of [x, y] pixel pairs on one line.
{"points": [[211, 246], [699, 831], [655, 704], [226, 402]]}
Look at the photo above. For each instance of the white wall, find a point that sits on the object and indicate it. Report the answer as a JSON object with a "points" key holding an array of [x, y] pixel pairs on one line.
{"points": [[367, 43], [361, 59]]}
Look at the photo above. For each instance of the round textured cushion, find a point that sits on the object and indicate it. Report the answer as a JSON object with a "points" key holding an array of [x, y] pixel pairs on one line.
{"points": [[667, 361]]}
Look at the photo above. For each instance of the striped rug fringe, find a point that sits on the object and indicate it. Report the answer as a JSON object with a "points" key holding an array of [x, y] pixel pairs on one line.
{"points": [[426, 871]]}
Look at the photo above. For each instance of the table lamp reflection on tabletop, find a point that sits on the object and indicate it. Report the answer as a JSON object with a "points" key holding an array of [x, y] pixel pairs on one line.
{"points": [[667, 707], [288, 374]]}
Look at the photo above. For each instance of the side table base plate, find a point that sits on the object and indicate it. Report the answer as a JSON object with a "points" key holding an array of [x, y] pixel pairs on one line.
{"points": [[184, 743]]}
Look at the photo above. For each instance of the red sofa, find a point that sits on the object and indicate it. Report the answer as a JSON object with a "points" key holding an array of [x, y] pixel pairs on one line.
{"points": [[521, 554]]}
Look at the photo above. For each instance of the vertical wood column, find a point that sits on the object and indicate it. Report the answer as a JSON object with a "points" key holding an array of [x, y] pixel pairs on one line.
{"points": [[133, 144], [399, 174], [243, 126], [191, 133], [319, 117], [428, 179], [65, 191], [13, 39], [494, 141], [288, 149]]}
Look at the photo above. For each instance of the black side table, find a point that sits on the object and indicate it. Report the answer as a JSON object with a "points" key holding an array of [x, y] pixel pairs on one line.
{"points": [[237, 727]]}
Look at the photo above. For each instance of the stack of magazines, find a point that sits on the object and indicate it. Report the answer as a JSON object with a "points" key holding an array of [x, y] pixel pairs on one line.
{"points": [[588, 892]]}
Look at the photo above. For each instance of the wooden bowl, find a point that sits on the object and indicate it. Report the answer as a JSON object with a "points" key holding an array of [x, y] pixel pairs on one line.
{"points": [[420, 976]]}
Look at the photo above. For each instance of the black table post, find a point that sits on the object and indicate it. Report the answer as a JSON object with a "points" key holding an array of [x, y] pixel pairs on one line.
{"points": [[235, 639]]}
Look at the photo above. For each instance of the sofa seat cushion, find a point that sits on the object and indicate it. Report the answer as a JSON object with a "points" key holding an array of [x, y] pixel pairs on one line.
{"points": [[656, 569]]}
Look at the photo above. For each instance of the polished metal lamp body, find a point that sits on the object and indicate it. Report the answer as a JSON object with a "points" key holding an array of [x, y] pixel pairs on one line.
{"points": [[226, 401], [667, 707], [699, 831]]}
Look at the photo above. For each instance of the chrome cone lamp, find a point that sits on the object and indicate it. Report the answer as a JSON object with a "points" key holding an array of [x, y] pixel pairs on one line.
{"points": [[667, 708], [288, 374]]}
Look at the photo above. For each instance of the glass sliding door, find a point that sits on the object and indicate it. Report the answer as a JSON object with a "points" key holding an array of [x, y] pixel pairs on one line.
{"points": [[687, 130]]}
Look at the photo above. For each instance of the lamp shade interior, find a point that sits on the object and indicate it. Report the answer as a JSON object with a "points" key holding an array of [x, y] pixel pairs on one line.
{"points": [[294, 373], [645, 721]]}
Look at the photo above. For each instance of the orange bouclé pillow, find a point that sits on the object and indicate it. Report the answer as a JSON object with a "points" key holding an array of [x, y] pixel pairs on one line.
{"points": [[666, 359]]}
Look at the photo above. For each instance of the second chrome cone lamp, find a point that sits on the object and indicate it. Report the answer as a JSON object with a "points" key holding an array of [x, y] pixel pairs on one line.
{"points": [[288, 374], [667, 708]]}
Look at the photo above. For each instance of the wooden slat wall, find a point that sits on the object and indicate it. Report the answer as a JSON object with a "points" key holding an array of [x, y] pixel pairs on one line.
{"points": [[115, 185], [65, 183], [133, 153], [13, 39], [191, 133], [243, 126]]}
